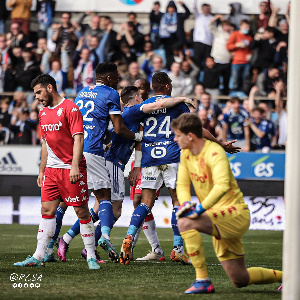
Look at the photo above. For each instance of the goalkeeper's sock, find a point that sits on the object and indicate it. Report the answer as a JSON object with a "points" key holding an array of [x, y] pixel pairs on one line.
{"points": [[137, 219], [264, 276], [149, 229], [60, 212], [194, 246], [106, 217], [178, 241]]}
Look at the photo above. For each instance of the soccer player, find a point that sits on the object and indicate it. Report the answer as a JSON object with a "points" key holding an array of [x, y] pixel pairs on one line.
{"points": [[221, 213], [98, 104], [62, 172], [160, 158]]}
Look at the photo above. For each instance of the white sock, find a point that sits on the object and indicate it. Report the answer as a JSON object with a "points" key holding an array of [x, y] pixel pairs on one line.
{"points": [[149, 229], [87, 232], [67, 238], [45, 233]]}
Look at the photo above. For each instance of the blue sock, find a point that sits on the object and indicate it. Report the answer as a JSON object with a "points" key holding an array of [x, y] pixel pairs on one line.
{"points": [[106, 216], [178, 240], [137, 219], [94, 216], [74, 230], [98, 234], [60, 212]]}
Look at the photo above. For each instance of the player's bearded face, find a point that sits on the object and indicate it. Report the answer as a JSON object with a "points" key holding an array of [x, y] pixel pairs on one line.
{"points": [[46, 98]]}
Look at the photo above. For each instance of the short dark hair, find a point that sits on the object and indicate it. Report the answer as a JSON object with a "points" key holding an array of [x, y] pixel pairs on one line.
{"points": [[131, 13], [245, 21], [146, 82], [66, 12], [259, 109], [44, 80], [105, 69], [234, 99], [128, 93], [188, 122], [160, 80], [270, 29], [156, 3]]}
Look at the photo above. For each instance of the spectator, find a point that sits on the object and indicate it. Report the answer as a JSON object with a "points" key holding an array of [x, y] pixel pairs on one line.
{"points": [[234, 126], [212, 109], [92, 29], [22, 127], [3, 16], [128, 33], [178, 83], [124, 54], [202, 36], [4, 77], [18, 103], [239, 45], [236, 16], [282, 114], [83, 69], [27, 70], [78, 52], [64, 32], [59, 70], [251, 80], [21, 14], [43, 55], [154, 18], [266, 80], [259, 131], [4, 49], [211, 78], [132, 18], [219, 50], [198, 91], [171, 29], [209, 125], [133, 73], [5, 116], [16, 37], [148, 48], [265, 46], [4, 134], [45, 12], [189, 72], [262, 19], [144, 88], [157, 65]]}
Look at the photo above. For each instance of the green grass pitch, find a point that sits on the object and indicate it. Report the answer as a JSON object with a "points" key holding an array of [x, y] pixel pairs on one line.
{"points": [[139, 280]]}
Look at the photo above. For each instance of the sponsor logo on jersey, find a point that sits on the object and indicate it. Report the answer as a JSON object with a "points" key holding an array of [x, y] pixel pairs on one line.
{"points": [[159, 111], [72, 200], [198, 177], [88, 95], [43, 114], [74, 109], [9, 164], [52, 127], [59, 112], [88, 127]]}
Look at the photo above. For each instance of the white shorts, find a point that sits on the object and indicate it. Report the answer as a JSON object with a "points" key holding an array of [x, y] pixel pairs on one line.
{"points": [[97, 173], [153, 177], [117, 181]]}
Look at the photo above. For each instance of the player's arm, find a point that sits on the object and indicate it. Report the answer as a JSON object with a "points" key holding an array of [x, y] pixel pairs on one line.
{"points": [[121, 129], [134, 174], [166, 103], [183, 183], [227, 146], [44, 155], [77, 155]]}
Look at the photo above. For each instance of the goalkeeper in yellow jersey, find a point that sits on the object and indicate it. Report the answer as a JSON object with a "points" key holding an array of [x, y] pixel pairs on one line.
{"points": [[221, 213]]}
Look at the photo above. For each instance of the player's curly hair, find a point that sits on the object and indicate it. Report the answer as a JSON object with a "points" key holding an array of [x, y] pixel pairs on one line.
{"points": [[105, 68], [44, 80], [159, 81], [188, 122], [128, 93]]}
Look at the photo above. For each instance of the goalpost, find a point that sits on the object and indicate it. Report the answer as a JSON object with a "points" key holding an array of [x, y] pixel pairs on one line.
{"points": [[291, 240]]}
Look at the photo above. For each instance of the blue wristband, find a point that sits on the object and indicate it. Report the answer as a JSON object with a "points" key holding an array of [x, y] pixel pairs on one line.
{"points": [[199, 209]]}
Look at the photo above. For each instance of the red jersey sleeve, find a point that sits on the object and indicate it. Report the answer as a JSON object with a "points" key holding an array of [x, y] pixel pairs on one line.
{"points": [[75, 120]]}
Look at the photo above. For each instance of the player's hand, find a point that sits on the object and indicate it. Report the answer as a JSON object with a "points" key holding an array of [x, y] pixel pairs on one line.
{"points": [[134, 175], [39, 180], [190, 210], [190, 102], [138, 136], [74, 174], [230, 148]]}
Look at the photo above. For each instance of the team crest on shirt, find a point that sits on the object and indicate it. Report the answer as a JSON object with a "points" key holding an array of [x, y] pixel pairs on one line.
{"points": [[215, 153], [59, 112]]}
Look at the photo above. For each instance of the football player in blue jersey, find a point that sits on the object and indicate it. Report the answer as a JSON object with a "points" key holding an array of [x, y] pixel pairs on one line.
{"points": [[160, 158], [98, 104]]}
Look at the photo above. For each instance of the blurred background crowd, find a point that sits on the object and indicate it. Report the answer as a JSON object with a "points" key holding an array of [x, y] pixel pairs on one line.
{"points": [[234, 66]]}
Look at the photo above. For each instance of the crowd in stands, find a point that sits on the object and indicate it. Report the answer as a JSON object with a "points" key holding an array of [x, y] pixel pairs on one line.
{"points": [[238, 55]]}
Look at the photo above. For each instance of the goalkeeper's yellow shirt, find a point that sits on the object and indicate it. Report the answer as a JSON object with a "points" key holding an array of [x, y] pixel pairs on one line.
{"points": [[210, 173]]}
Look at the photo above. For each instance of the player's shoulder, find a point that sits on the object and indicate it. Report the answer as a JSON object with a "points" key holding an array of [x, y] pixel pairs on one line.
{"points": [[213, 149], [69, 104]]}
